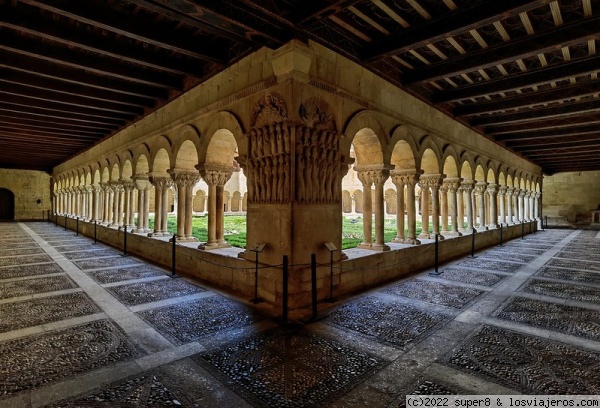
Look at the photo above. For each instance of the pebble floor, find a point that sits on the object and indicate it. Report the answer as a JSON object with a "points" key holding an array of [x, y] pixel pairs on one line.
{"points": [[83, 326]]}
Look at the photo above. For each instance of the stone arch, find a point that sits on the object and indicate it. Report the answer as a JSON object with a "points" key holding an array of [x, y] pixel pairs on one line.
{"points": [[358, 201], [127, 170], [450, 166], [368, 137], [502, 178], [186, 156], [466, 170], [491, 176], [115, 174], [7, 204], [346, 202], [199, 199], [97, 179], [105, 174], [480, 173], [142, 165], [236, 199], [390, 201], [509, 181], [430, 163], [245, 202], [404, 149], [221, 149], [217, 123], [161, 156]]}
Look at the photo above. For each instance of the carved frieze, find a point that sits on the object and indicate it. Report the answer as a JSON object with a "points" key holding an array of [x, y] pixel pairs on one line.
{"points": [[315, 113], [269, 110]]}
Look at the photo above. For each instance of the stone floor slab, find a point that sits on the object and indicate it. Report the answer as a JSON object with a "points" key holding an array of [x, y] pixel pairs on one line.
{"points": [[106, 262], [509, 256], [146, 292], [572, 264], [34, 312], [191, 321], [471, 276], [570, 275], [29, 270], [562, 290], [575, 321], [35, 285], [385, 321], [527, 363], [483, 263], [21, 251], [123, 274], [280, 368], [433, 292], [44, 358], [90, 254], [78, 247], [16, 260]]}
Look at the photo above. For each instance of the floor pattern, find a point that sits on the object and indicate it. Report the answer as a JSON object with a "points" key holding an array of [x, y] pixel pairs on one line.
{"points": [[83, 326]]}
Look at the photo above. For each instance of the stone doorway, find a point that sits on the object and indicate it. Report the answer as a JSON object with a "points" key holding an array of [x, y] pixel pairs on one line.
{"points": [[7, 204]]}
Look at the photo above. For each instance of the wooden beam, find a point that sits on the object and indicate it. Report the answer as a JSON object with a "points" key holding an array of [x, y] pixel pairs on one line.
{"points": [[564, 110], [451, 24], [24, 117], [9, 109], [50, 128], [532, 150], [562, 36], [530, 99], [543, 135], [49, 134], [535, 77], [556, 123]]}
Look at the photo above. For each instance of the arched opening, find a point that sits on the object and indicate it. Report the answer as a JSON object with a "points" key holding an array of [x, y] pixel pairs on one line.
{"points": [[7, 204]]}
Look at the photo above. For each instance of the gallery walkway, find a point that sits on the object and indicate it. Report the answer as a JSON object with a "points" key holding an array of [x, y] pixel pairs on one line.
{"points": [[80, 325]]}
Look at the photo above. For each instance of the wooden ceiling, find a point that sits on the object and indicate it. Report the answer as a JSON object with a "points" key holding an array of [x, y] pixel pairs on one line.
{"points": [[522, 73]]}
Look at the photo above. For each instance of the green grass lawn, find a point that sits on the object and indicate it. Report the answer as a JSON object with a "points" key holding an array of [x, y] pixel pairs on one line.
{"points": [[235, 229]]}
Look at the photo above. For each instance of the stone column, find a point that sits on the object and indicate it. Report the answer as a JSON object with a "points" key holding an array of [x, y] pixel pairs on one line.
{"points": [[379, 177], [352, 204], [460, 204], [492, 190], [467, 187], [480, 188], [424, 208], [108, 203], [531, 206], [229, 203], [444, 208], [509, 206], [521, 198], [161, 186], [165, 208], [117, 212], [537, 210], [95, 202], [215, 176], [398, 180], [502, 202], [431, 184], [128, 187], [453, 186], [411, 179], [142, 184], [365, 178], [185, 181]]}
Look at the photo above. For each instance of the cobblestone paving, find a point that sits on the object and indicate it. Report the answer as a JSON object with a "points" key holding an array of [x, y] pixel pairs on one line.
{"points": [[35, 285], [567, 274], [146, 292], [386, 321], [18, 315], [78, 247], [508, 256], [90, 254], [23, 260], [17, 245], [29, 270], [433, 292], [528, 244], [563, 290], [482, 263], [530, 364], [140, 391], [588, 256], [190, 321], [516, 250], [21, 251], [67, 240], [572, 264], [290, 368], [44, 358], [425, 387], [123, 274], [575, 321], [106, 262], [471, 276]]}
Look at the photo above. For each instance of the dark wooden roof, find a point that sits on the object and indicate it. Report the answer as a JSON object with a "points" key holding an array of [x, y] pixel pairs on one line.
{"points": [[522, 73]]}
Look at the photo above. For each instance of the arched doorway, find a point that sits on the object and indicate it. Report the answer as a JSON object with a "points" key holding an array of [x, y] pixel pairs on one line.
{"points": [[7, 204]]}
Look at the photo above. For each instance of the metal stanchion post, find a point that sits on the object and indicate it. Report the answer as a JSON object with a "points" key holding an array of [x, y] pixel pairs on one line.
{"points": [[500, 234], [473, 243], [124, 240], [77, 227], [546, 222], [95, 231], [313, 280], [533, 226], [436, 259], [523, 229], [65, 222], [330, 247], [285, 289], [257, 250], [173, 265]]}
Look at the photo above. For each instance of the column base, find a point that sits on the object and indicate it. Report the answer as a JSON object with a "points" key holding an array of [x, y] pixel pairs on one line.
{"points": [[364, 245], [481, 229], [412, 241], [380, 247], [451, 234], [492, 226], [424, 235], [139, 231], [187, 239], [439, 235], [214, 245], [399, 240]]}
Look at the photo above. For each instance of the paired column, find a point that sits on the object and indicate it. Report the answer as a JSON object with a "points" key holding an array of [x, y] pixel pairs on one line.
{"points": [[368, 176], [430, 184], [521, 198], [502, 202], [108, 203], [398, 179], [185, 180], [510, 204], [128, 213], [411, 179], [480, 188], [143, 185], [467, 187], [215, 177], [424, 208], [161, 187], [96, 190], [492, 190], [453, 186], [532, 206]]}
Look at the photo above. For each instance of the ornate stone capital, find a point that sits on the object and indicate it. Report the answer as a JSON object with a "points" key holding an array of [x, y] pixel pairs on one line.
{"points": [[467, 185], [452, 184], [520, 193], [502, 190], [187, 178], [510, 191], [480, 187], [160, 181], [433, 181], [405, 176], [215, 174], [128, 185], [141, 182], [369, 175], [492, 189]]}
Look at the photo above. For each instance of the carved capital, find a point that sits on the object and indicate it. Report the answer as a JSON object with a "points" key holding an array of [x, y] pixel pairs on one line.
{"points": [[160, 182], [502, 190], [467, 186], [184, 178], [141, 182], [433, 181], [452, 184], [369, 175], [480, 187], [492, 189], [215, 174], [510, 191], [520, 193]]}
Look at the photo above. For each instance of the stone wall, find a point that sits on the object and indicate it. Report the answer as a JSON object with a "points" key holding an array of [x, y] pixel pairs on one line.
{"points": [[31, 190], [570, 196]]}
